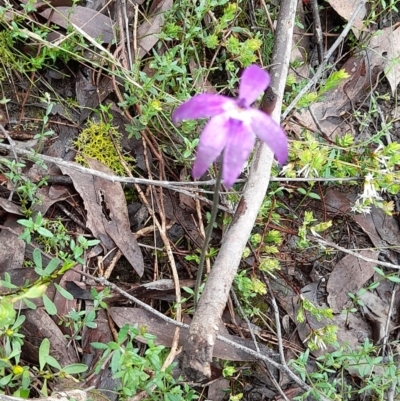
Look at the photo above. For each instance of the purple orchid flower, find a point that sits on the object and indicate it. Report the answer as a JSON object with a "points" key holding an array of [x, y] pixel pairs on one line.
{"points": [[233, 127]]}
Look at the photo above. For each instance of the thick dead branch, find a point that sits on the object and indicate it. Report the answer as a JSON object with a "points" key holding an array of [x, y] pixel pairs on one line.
{"points": [[198, 349]]}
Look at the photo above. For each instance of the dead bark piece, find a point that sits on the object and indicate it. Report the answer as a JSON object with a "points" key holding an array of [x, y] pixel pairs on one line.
{"points": [[385, 45], [198, 348]]}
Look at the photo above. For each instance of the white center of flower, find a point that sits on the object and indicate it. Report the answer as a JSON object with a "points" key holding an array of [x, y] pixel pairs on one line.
{"points": [[237, 113]]}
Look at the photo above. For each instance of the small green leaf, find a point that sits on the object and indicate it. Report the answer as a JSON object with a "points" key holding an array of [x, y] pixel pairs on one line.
{"points": [[45, 232], [49, 305], [374, 285], [394, 279], [44, 351], [75, 368], [37, 258], [188, 290], [64, 292], [53, 264], [379, 271], [52, 362], [22, 393], [5, 380], [25, 223], [7, 312], [302, 191], [361, 291], [99, 345], [29, 304], [314, 196], [20, 320]]}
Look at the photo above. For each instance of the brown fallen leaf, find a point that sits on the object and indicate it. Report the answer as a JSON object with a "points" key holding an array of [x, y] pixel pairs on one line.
{"points": [[352, 330], [346, 8], [10, 207], [89, 96], [49, 196], [376, 311], [329, 110], [150, 29], [115, 216], [96, 25], [383, 52], [339, 202], [42, 5], [107, 213], [63, 304], [349, 275], [382, 230], [381, 55]]}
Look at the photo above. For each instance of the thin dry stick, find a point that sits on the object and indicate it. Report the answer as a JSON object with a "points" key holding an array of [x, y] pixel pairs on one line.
{"points": [[250, 328], [113, 263], [202, 232], [198, 348], [275, 383], [175, 341], [246, 319], [389, 317], [317, 30], [328, 55], [277, 321], [134, 34], [128, 42], [357, 255], [271, 25]]}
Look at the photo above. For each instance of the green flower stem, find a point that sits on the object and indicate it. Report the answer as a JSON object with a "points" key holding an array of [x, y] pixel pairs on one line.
{"points": [[209, 229]]}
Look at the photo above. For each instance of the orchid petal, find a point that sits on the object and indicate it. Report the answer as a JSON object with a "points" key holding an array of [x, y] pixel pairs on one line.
{"points": [[253, 82], [203, 106], [239, 146], [268, 131], [212, 142]]}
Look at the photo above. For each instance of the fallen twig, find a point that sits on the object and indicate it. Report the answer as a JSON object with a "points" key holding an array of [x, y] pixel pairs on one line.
{"points": [[357, 255], [173, 185]]}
